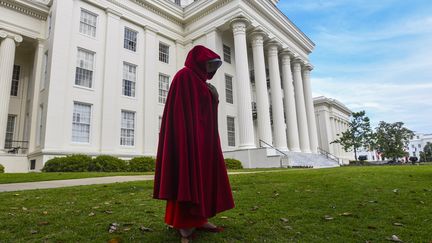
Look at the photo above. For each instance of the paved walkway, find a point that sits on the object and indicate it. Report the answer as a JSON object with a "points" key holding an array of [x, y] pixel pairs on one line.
{"points": [[84, 181]]}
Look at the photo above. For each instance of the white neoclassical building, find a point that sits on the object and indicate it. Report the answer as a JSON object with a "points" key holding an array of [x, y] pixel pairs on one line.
{"points": [[332, 118], [91, 76], [417, 143]]}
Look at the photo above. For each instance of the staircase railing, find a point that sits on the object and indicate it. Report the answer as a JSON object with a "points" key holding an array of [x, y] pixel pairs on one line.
{"points": [[284, 155], [329, 155]]}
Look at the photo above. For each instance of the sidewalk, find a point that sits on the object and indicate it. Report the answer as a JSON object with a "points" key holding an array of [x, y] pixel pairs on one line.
{"points": [[84, 181]]}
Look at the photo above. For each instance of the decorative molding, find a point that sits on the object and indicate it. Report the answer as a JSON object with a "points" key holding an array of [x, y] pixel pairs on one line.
{"points": [[155, 10], [16, 37], [24, 9], [193, 19]]}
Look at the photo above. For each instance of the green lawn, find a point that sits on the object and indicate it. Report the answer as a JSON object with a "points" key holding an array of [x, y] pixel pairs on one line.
{"points": [[48, 176], [360, 203]]}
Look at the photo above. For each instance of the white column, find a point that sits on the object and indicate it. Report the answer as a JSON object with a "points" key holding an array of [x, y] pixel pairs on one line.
{"points": [[110, 102], [7, 57], [37, 76], [245, 122], [279, 127], [264, 125], [289, 102], [310, 112], [301, 107], [151, 131], [334, 136]]}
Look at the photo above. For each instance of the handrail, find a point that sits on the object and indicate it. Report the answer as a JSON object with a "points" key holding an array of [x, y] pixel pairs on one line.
{"points": [[329, 155], [284, 154], [14, 146], [261, 141]]}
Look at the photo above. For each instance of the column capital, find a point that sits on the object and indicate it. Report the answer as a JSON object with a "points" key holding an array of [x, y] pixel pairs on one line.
{"points": [[258, 37], [6, 34], [309, 67], [239, 25], [273, 47]]}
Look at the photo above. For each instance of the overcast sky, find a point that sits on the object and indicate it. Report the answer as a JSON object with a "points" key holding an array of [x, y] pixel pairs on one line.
{"points": [[372, 55]]}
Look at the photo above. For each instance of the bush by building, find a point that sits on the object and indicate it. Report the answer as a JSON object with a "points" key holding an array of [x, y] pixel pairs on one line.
{"points": [[70, 163], [107, 163], [233, 164], [142, 164], [1, 168]]}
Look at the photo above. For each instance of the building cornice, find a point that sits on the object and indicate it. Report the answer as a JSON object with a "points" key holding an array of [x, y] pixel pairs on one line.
{"points": [[37, 10], [322, 100], [269, 10]]}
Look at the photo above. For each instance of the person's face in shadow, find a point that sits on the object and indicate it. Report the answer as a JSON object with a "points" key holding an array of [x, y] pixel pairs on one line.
{"points": [[213, 65]]}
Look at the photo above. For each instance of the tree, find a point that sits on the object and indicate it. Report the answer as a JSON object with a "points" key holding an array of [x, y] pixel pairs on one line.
{"points": [[392, 138], [358, 135], [426, 155]]}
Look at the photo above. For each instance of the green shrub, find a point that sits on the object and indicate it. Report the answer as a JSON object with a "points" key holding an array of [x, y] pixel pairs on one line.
{"points": [[233, 164], [142, 164], [107, 163], [70, 163], [1, 168]]}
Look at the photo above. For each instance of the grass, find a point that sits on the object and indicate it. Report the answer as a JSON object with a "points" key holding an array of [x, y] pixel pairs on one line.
{"points": [[48, 176], [287, 206]]}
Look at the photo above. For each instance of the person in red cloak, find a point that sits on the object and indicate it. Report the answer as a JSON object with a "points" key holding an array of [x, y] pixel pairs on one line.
{"points": [[190, 169]]}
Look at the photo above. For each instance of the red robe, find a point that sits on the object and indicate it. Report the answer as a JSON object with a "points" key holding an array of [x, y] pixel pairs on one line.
{"points": [[190, 167]]}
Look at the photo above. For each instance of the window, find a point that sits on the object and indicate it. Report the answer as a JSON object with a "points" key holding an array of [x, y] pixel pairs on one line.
{"points": [[160, 122], [229, 89], [419, 145], [40, 126], [231, 131], [163, 87], [129, 79], [10, 127], [130, 39], [178, 2], [127, 135], [163, 52], [84, 68], [227, 53], [45, 71], [15, 80], [88, 23], [412, 146], [81, 123], [32, 164]]}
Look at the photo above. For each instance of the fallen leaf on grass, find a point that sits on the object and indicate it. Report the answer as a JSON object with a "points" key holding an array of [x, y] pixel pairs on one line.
{"points": [[223, 217], [398, 224], [284, 220], [395, 190], [33, 231], [287, 227], [374, 201], [108, 212], [113, 227], [16, 194], [115, 240], [346, 214], [126, 229], [45, 212], [91, 214], [43, 223], [24, 208], [95, 207], [255, 208], [422, 202], [145, 229], [328, 217], [394, 238], [11, 214]]}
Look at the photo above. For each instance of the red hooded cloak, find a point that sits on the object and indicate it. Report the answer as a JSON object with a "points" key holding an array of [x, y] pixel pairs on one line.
{"points": [[190, 166]]}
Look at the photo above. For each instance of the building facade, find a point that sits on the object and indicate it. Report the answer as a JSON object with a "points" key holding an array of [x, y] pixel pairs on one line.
{"points": [[332, 118], [417, 144], [91, 76]]}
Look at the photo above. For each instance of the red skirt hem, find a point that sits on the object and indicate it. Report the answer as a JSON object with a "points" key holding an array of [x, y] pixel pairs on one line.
{"points": [[177, 215]]}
